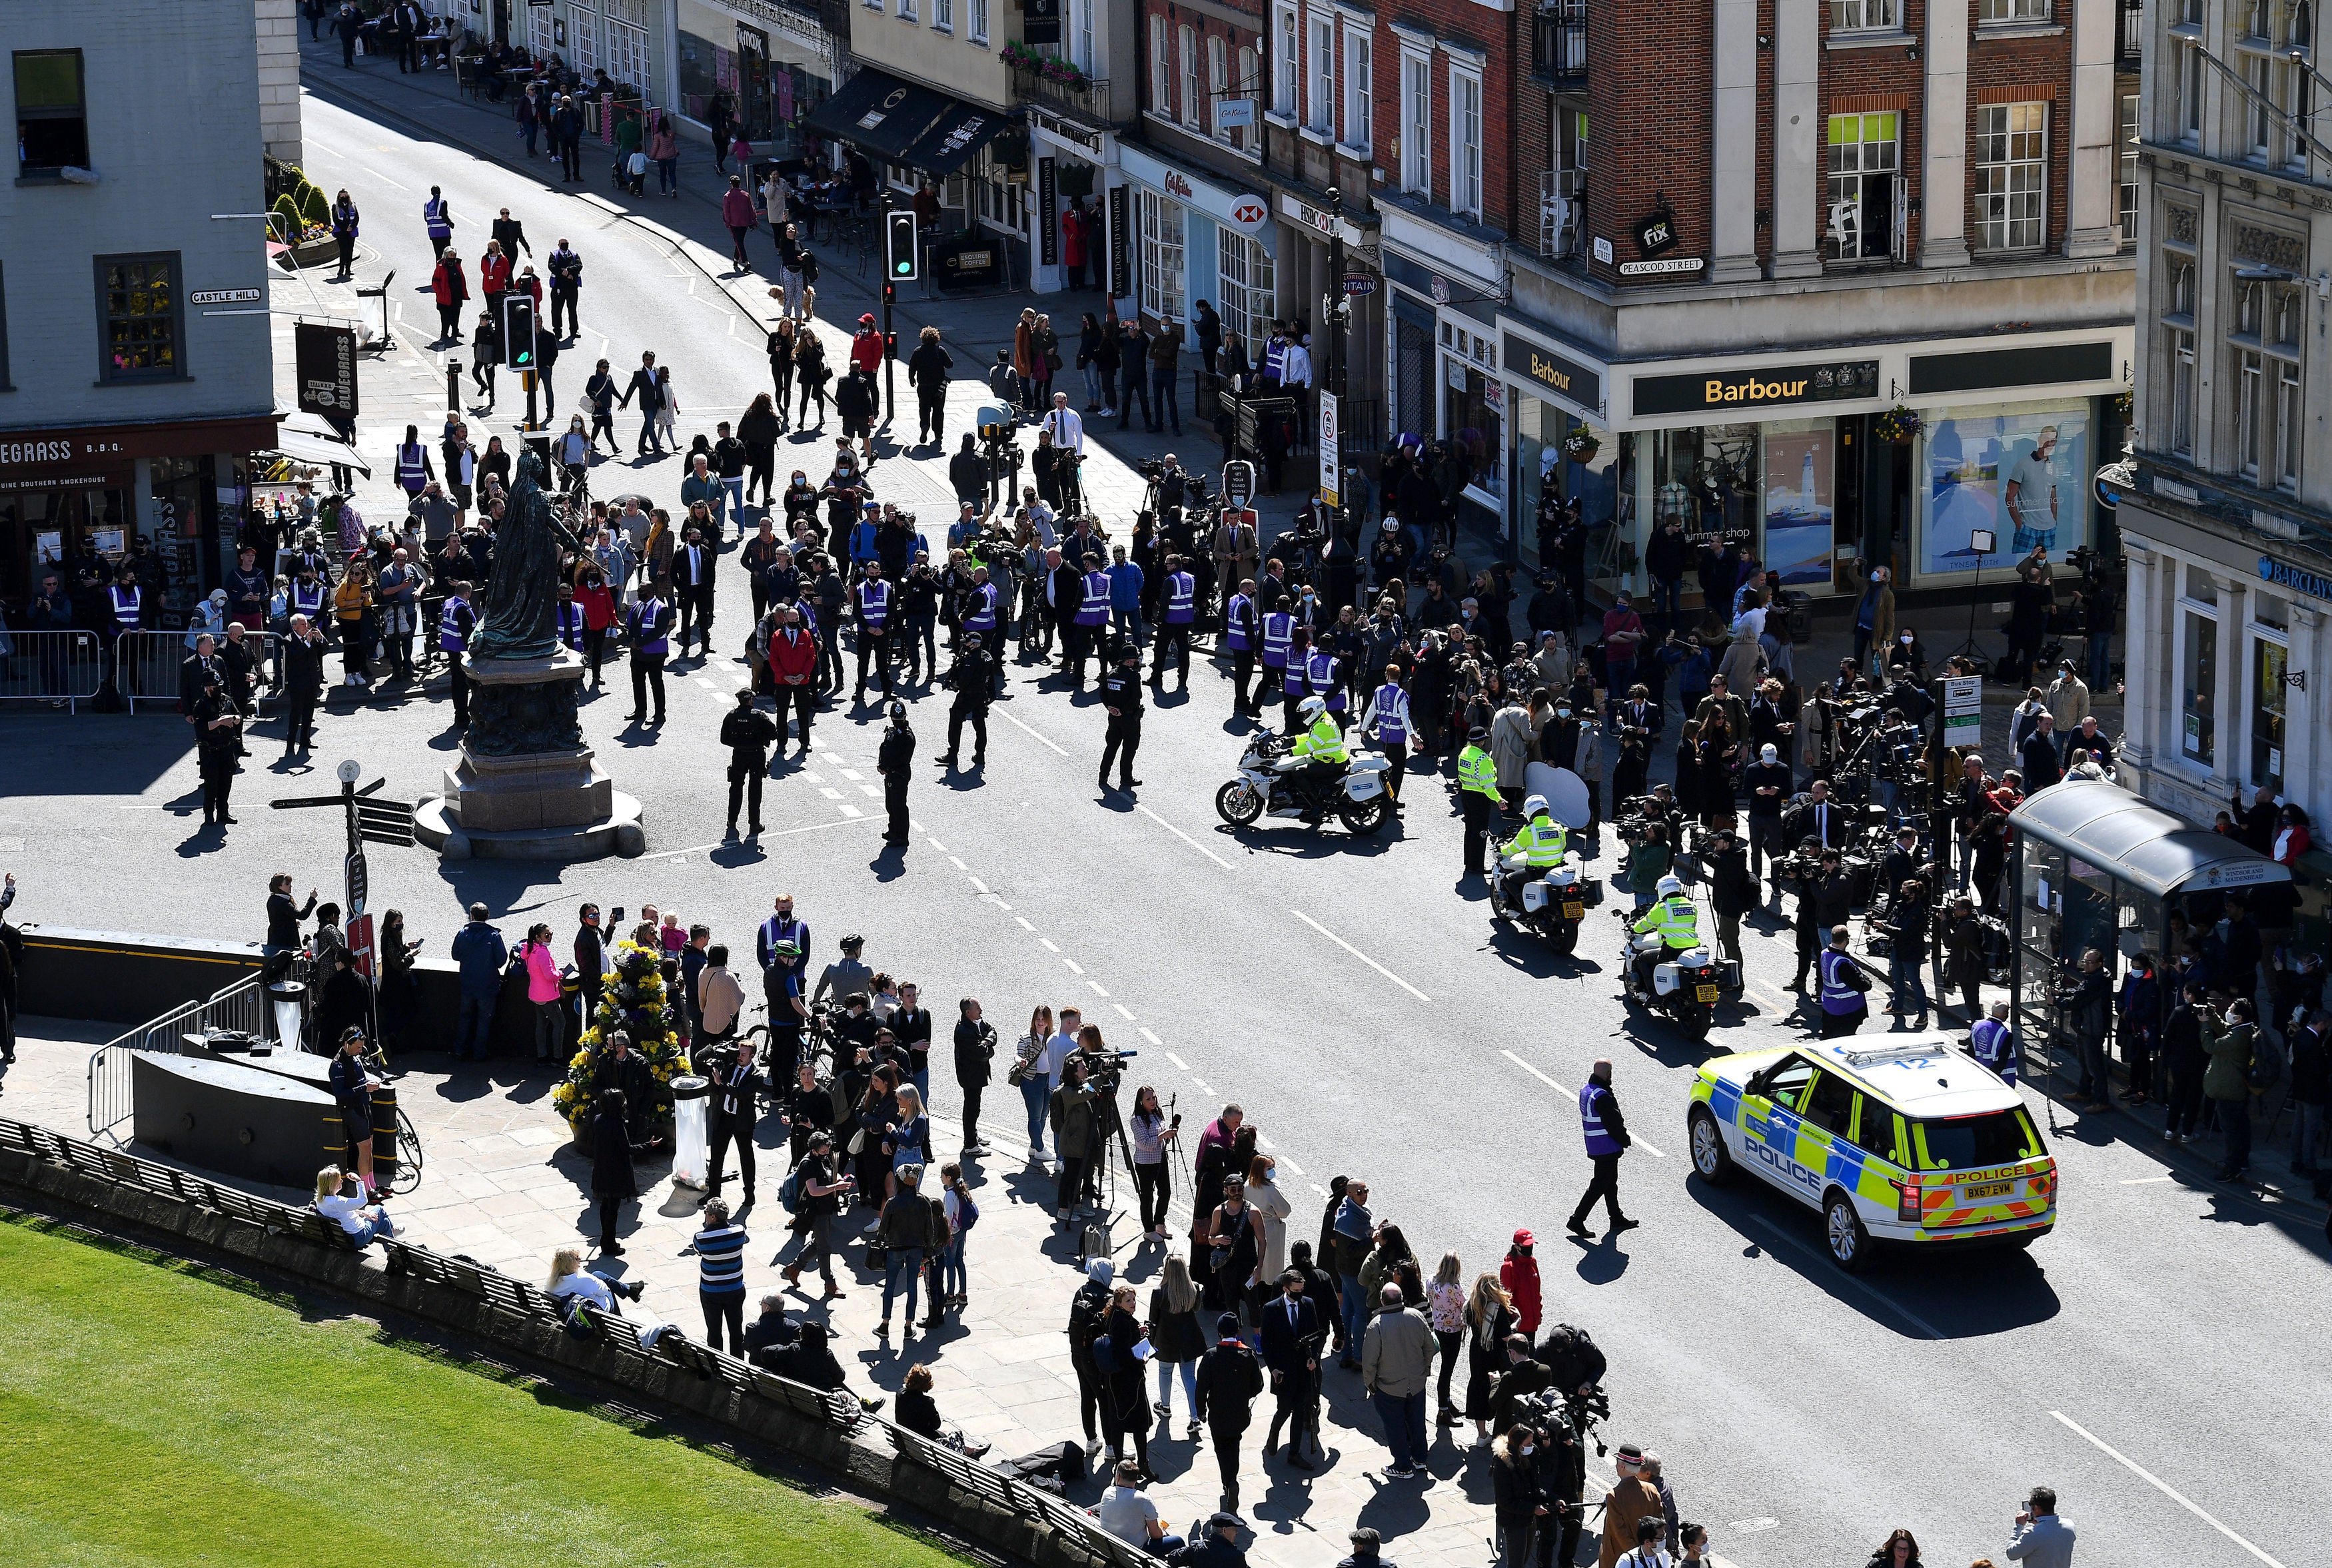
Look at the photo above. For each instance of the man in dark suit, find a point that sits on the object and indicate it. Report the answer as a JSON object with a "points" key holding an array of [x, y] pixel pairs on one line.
{"points": [[1818, 818], [737, 1091], [303, 683], [1292, 1328], [2041, 767], [1229, 1381], [693, 566]]}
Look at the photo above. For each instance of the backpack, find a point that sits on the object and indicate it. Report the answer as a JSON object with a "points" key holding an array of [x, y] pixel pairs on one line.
{"points": [[789, 1192], [967, 1212], [2266, 1063]]}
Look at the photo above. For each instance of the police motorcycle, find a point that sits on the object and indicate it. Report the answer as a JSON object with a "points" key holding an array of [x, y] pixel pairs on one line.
{"points": [[1681, 986], [1550, 901], [1271, 783]]}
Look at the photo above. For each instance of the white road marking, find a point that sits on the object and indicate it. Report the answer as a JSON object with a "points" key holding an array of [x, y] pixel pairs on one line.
{"points": [[1363, 957], [809, 777], [1293, 1168], [1535, 1072], [1095, 986], [1177, 1061], [936, 844], [852, 777], [1000, 903], [976, 882], [1046, 739], [959, 865], [1830, 1272], [1121, 1012], [870, 789], [1204, 1087], [1154, 1039], [832, 794], [851, 811], [1074, 967], [1024, 923], [2143, 1474], [1316, 1187], [1186, 838], [1047, 941], [781, 833], [2147, 1181]]}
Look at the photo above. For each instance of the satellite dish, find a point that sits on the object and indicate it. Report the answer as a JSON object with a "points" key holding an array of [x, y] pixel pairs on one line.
{"points": [[1565, 793], [348, 771]]}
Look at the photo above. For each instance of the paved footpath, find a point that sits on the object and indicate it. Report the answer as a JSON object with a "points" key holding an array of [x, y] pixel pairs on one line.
{"points": [[504, 1185]]}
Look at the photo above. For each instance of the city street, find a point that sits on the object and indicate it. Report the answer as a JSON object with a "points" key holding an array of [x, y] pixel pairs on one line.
{"points": [[2157, 1360]]}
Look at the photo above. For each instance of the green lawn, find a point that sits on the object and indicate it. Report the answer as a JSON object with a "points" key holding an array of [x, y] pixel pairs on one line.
{"points": [[153, 1412]]}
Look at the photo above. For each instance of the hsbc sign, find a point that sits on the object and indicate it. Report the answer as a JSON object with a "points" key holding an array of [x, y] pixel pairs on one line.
{"points": [[1249, 211], [1245, 212]]}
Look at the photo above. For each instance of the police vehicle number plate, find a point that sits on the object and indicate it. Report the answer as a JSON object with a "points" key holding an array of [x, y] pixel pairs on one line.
{"points": [[1707, 994], [1990, 1190], [1573, 912]]}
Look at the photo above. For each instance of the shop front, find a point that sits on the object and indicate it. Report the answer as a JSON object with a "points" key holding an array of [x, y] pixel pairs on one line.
{"points": [[76, 500], [768, 65], [2234, 597], [1190, 239], [1563, 446], [1071, 165], [1944, 460], [1442, 363]]}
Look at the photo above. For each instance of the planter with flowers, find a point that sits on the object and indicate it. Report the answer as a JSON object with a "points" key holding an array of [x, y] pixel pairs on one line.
{"points": [[1580, 444], [632, 1002], [1898, 425]]}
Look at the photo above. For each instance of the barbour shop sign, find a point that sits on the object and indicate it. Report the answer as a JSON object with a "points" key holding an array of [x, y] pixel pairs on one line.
{"points": [[1766, 387]]}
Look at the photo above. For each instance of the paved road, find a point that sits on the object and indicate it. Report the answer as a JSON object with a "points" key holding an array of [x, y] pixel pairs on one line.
{"points": [[2160, 1355]]}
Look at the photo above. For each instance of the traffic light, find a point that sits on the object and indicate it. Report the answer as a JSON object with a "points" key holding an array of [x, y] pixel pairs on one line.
{"points": [[890, 346], [890, 292], [518, 331], [904, 255]]}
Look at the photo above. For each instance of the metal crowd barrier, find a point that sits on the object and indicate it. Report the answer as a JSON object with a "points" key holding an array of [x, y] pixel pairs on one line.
{"points": [[63, 668], [241, 1005], [519, 1299], [147, 667]]}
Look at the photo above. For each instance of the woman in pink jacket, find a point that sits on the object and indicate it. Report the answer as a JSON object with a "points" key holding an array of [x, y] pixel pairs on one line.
{"points": [[542, 993], [737, 212]]}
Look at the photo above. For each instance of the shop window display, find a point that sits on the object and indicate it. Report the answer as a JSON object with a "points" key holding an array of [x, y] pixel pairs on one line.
{"points": [[2023, 476]]}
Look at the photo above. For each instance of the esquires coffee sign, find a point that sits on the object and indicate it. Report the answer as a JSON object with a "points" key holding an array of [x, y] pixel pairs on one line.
{"points": [[1572, 382], [1767, 386], [43, 459]]}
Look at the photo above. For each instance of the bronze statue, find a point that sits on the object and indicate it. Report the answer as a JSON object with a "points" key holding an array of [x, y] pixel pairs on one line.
{"points": [[520, 616]]}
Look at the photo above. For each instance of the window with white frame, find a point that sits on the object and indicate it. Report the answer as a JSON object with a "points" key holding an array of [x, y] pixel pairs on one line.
{"points": [[1323, 118], [2293, 103], [2259, 117], [2126, 187], [1465, 142], [975, 13], [2198, 681], [2178, 328], [1080, 37], [1218, 85], [2011, 160], [1247, 282], [1161, 70], [944, 15], [584, 27], [1360, 99], [1286, 42], [2190, 68], [542, 38], [1188, 42], [1250, 84], [1861, 15], [906, 10], [1865, 162], [2265, 343], [2012, 11], [1417, 123], [1162, 257]]}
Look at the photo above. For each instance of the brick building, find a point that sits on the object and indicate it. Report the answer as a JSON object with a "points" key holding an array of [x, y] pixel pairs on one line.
{"points": [[1725, 243]]}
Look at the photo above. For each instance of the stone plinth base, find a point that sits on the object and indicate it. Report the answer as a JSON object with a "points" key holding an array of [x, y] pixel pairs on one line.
{"points": [[526, 786]]}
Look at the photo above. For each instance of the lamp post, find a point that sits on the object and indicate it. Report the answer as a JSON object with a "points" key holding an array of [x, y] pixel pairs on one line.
{"points": [[1339, 307]]}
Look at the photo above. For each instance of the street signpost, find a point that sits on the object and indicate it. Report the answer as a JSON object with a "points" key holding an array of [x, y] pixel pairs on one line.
{"points": [[1332, 465], [1238, 483], [366, 820]]}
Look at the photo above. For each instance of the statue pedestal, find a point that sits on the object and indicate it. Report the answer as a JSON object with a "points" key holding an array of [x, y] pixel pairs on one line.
{"points": [[526, 786]]}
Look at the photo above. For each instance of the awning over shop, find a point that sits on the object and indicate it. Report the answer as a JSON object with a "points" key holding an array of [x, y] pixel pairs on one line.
{"points": [[2143, 845], [310, 438], [958, 134], [879, 112]]}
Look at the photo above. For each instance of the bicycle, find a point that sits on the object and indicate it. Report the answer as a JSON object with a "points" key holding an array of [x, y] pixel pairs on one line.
{"points": [[409, 1156]]}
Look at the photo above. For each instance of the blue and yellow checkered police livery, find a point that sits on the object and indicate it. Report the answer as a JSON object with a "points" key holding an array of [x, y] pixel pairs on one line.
{"points": [[1910, 1140]]}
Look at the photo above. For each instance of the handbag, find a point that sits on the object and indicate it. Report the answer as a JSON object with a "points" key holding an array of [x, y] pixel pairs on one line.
{"points": [[857, 1143]]}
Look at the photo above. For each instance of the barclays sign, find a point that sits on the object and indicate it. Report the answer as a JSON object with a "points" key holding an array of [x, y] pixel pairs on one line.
{"points": [[2316, 583]]}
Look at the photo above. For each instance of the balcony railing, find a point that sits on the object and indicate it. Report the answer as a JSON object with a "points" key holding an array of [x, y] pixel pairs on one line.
{"points": [[2133, 37], [1562, 215], [1088, 97], [1559, 42]]}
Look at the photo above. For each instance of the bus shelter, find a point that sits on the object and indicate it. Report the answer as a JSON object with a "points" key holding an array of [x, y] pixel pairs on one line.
{"points": [[2096, 865]]}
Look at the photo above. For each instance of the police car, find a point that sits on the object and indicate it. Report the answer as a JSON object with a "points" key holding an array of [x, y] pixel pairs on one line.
{"points": [[1907, 1140]]}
